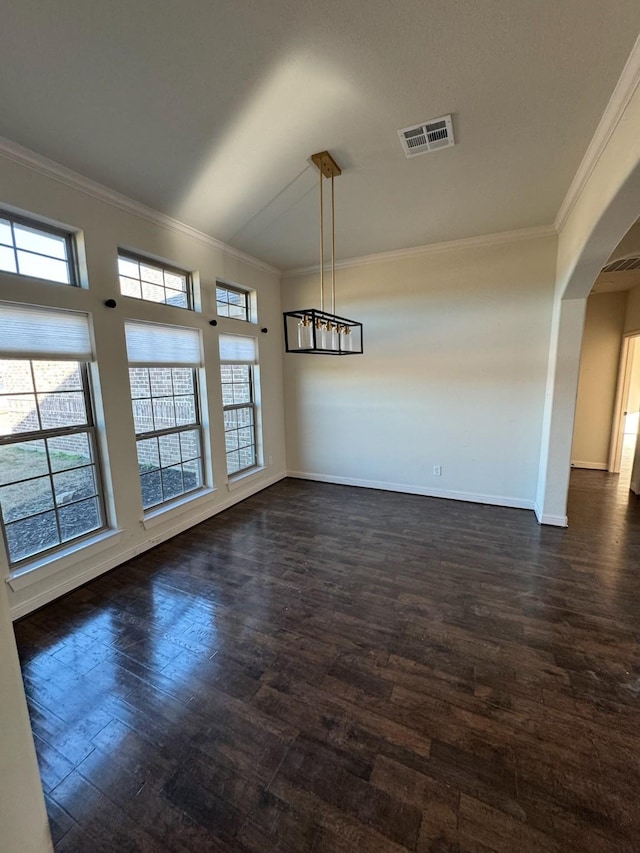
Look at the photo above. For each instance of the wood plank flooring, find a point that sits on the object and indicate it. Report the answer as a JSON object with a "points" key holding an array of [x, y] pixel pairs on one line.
{"points": [[324, 668]]}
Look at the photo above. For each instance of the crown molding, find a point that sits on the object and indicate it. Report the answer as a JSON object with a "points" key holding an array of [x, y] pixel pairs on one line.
{"points": [[484, 240], [50, 169], [622, 94]]}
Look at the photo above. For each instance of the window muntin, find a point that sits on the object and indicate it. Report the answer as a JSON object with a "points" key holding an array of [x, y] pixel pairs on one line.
{"points": [[239, 416], [168, 433], [39, 251], [232, 302], [50, 485], [154, 282]]}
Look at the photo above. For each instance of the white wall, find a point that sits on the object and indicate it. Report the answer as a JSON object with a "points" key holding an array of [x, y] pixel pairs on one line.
{"points": [[632, 317], [453, 374], [599, 366], [104, 227], [23, 820]]}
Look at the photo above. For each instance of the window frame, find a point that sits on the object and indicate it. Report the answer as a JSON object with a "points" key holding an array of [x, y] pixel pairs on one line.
{"points": [[232, 288], [196, 426], [127, 255], [37, 225], [90, 429], [235, 406]]}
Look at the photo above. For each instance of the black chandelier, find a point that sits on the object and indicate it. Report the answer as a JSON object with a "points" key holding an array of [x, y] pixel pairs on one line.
{"points": [[314, 330]]}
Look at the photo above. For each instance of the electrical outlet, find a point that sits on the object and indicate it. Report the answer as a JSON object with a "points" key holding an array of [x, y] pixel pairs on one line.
{"points": [[271, 460], [437, 470]]}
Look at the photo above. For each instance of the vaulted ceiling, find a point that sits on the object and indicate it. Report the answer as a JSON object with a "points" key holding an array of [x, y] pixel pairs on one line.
{"points": [[209, 111]]}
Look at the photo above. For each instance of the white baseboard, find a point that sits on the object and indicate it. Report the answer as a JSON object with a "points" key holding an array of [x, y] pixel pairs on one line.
{"points": [[472, 497], [553, 520], [595, 466], [160, 535]]}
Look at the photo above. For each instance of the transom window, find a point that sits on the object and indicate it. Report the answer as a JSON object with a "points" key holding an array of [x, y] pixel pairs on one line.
{"points": [[31, 249], [232, 302], [154, 282], [50, 491]]}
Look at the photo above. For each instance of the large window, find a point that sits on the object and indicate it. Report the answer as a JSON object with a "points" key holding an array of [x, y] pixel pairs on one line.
{"points": [[237, 374], [232, 302], [154, 282], [166, 413], [50, 492], [32, 249]]}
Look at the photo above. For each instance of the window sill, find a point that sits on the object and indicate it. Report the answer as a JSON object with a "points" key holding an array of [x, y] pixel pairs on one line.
{"points": [[42, 568], [156, 517], [237, 481]]}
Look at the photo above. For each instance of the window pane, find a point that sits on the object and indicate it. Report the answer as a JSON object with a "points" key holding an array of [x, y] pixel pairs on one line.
{"points": [[237, 312], [5, 232], [175, 282], [247, 457], [182, 380], [245, 417], [231, 440], [38, 241], [139, 381], [148, 455], [142, 416], [245, 436], [172, 483], [161, 382], [63, 409], [16, 376], [169, 450], [152, 274], [22, 461], [233, 462], [185, 410], [177, 299], [74, 485], [41, 267], [231, 419], [189, 444], [130, 287], [32, 536], [79, 519], [69, 451], [241, 393], [151, 486], [128, 268], [223, 309], [20, 414], [57, 375], [152, 293], [164, 414], [192, 475], [26, 498], [7, 260]]}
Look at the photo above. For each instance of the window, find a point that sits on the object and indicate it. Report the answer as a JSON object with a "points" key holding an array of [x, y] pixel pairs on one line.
{"points": [[232, 302], [154, 282], [50, 485], [237, 374], [166, 412], [32, 249]]}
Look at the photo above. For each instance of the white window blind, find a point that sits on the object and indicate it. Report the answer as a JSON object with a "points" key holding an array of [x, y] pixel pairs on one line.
{"points": [[152, 343], [238, 349], [28, 331]]}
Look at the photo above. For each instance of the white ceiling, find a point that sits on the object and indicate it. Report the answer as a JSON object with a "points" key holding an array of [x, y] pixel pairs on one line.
{"points": [[209, 111]]}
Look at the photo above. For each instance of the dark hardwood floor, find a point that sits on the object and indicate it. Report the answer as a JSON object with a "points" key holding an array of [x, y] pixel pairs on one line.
{"points": [[324, 668]]}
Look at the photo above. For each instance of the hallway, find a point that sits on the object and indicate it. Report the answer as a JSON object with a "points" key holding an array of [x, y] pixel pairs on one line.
{"points": [[324, 668]]}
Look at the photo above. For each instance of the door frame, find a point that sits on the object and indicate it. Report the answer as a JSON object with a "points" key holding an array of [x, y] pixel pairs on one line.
{"points": [[629, 341]]}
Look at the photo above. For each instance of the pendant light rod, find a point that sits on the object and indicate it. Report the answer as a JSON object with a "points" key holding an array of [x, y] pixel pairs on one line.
{"points": [[333, 250], [328, 168], [321, 245]]}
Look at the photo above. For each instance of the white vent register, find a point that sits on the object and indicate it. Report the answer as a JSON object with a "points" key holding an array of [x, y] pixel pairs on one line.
{"points": [[428, 136]]}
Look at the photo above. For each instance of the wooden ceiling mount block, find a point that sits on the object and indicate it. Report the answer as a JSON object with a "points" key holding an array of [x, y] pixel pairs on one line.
{"points": [[327, 165]]}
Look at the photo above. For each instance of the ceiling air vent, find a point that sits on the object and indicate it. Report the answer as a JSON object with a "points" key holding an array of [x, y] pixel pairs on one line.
{"points": [[623, 265], [428, 136]]}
